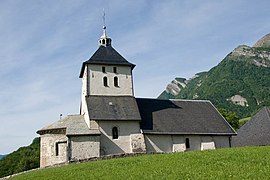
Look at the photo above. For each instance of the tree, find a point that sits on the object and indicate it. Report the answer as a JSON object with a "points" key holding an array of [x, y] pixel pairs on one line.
{"points": [[231, 117]]}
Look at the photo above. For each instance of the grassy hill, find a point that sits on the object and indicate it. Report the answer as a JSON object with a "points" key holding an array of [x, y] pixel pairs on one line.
{"points": [[236, 163]]}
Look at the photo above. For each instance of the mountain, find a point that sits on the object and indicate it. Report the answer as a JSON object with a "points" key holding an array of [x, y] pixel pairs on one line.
{"points": [[1, 156], [25, 158], [239, 83]]}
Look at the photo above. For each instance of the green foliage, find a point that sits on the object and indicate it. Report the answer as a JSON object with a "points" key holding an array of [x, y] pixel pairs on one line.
{"points": [[232, 163], [25, 158], [243, 121], [231, 117]]}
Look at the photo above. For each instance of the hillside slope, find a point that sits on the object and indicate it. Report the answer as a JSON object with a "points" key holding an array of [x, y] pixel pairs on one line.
{"points": [[239, 83], [232, 163], [23, 159]]}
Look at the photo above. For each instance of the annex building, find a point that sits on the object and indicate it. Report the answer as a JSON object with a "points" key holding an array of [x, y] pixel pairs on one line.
{"points": [[113, 121]]}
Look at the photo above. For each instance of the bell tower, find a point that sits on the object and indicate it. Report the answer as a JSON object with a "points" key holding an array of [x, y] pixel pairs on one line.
{"points": [[106, 73]]}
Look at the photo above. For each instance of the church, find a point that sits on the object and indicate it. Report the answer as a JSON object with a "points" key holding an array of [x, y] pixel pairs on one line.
{"points": [[112, 121]]}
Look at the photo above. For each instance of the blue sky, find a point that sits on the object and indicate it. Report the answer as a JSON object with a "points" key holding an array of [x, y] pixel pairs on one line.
{"points": [[43, 44]]}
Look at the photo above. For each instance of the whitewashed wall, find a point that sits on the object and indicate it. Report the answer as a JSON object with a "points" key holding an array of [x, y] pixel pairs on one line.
{"points": [[126, 129], [176, 143], [96, 75], [85, 92], [222, 141]]}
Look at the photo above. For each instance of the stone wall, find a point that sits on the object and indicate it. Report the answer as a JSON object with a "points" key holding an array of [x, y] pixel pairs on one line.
{"points": [[177, 143], [84, 147], [53, 148], [122, 144]]}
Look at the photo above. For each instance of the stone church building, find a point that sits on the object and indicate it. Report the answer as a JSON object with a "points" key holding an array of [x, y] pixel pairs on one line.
{"points": [[113, 121]]}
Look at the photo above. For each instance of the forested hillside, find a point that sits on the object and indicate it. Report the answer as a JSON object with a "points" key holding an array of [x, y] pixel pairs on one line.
{"points": [[23, 159]]}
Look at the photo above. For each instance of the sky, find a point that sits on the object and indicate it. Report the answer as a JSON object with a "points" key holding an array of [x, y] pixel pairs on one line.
{"points": [[44, 43]]}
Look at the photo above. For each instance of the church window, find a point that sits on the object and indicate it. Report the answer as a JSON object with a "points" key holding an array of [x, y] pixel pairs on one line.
{"points": [[116, 81], [187, 143], [114, 70], [105, 81], [115, 133], [103, 69], [60, 148]]}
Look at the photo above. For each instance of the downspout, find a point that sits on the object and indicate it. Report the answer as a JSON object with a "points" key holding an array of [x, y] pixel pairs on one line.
{"points": [[230, 141]]}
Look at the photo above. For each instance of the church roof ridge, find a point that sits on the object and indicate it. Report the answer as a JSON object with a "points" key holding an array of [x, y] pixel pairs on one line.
{"points": [[176, 100]]}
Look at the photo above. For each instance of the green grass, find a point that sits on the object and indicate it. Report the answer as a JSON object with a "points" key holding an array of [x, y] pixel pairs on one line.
{"points": [[234, 163]]}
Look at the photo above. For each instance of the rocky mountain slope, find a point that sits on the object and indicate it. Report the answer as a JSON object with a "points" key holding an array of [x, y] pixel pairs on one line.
{"points": [[239, 83]]}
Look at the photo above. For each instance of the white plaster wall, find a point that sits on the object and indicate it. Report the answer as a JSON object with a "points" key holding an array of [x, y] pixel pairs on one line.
{"points": [[84, 82], [176, 143], [85, 92], [83, 147], [96, 75], [222, 141], [158, 143], [108, 145], [48, 149]]}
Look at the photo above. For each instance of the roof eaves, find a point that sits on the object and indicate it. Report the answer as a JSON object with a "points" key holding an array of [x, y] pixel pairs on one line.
{"points": [[52, 131]]}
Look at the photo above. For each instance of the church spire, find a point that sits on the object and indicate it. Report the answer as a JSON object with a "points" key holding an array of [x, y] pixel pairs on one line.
{"points": [[104, 40]]}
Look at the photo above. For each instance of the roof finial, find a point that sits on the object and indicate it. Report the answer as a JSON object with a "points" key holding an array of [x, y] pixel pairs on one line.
{"points": [[104, 39], [104, 24]]}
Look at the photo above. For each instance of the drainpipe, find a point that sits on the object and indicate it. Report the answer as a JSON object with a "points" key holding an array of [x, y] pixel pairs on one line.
{"points": [[230, 141]]}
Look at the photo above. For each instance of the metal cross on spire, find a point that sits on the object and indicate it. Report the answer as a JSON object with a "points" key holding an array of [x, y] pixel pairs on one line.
{"points": [[104, 24], [104, 39]]}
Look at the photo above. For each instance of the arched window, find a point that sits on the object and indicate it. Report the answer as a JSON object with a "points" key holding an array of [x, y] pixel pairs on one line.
{"points": [[116, 81], [115, 133], [105, 81], [187, 143]]}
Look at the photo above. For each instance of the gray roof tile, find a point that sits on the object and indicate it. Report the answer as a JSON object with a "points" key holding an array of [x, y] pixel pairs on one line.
{"points": [[181, 117], [107, 56], [73, 125], [256, 132], [112, 108]]}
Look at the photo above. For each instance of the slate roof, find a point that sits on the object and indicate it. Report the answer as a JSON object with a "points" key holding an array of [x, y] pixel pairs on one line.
{"points": [[112, 108], [256, 132], [71, 125], [107, 56], [181, 117]]}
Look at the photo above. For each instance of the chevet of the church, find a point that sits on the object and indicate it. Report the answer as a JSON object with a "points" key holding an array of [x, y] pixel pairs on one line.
{"points": [[112, 121]]}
